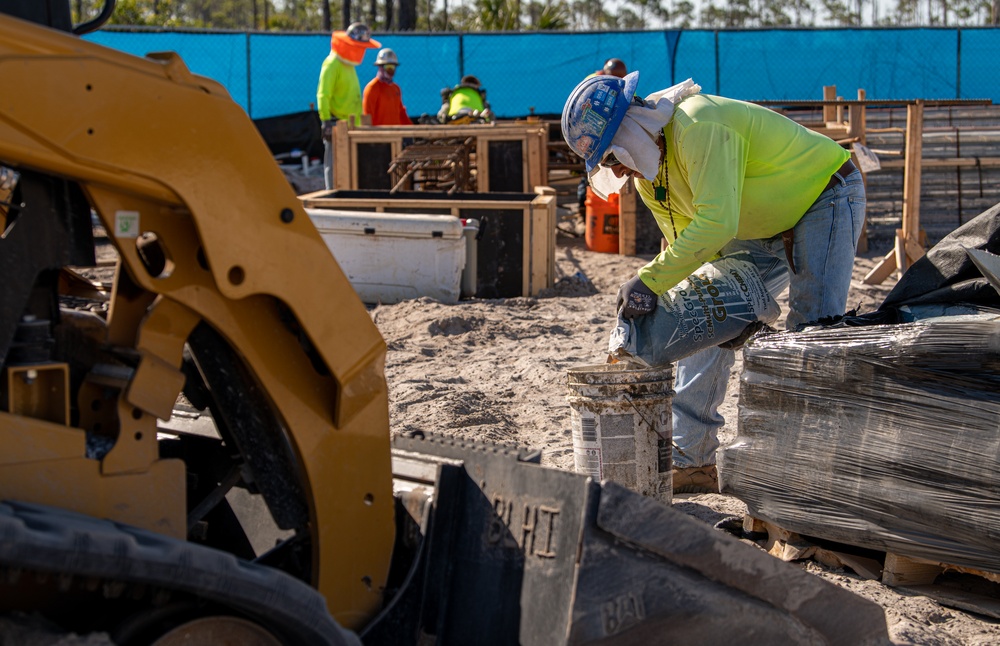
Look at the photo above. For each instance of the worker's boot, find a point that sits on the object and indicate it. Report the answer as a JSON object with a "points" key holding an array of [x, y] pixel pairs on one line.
{"points": [[703, 479]]}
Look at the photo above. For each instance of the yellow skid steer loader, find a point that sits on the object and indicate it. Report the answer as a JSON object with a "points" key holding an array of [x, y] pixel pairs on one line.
{"points": [[111, 522]]}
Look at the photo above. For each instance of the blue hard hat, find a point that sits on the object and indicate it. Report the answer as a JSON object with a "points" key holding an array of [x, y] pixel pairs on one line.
{"points": [[593, 112]]}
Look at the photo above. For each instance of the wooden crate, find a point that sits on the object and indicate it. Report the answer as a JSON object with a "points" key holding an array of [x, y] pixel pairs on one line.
{"points": [[517, 231], [510, 157], [638, 233]]}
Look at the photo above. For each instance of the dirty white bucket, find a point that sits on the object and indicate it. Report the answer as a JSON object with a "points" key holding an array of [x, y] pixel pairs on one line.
{"points": [[622, 425]]}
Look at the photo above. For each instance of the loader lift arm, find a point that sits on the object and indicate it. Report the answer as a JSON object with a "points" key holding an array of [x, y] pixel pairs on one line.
{"points": [[211, 237]]}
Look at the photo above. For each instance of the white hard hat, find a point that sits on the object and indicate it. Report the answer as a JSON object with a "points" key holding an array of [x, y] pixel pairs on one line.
{"points": [[386, 57], [593, 112]]}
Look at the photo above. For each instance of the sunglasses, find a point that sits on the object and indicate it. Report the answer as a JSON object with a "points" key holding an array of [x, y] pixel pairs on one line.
{"points": [[610, 160], [389, 68]]}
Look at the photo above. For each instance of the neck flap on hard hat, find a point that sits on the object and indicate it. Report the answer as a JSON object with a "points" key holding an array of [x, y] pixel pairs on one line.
{"points": [[347, 61], [634, 143]]}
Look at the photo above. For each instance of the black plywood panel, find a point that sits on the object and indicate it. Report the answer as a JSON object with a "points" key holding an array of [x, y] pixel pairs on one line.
{"points": [[500, 266], [373, 166], [506, 159]]}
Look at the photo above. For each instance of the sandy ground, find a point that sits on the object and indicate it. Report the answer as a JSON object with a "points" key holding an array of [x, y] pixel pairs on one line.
{"points": [[496, 370]]}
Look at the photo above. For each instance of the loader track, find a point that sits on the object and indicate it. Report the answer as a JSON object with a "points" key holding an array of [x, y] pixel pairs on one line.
{"points": [[117, 562]]}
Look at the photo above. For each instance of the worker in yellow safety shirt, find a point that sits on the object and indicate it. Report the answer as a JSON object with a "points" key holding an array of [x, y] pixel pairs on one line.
{"points": [[721, 178], [465, 103], [338, 95]]}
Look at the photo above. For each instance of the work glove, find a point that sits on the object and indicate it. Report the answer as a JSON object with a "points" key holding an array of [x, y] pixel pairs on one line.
{"points": [[328, 128], [635, 299]]}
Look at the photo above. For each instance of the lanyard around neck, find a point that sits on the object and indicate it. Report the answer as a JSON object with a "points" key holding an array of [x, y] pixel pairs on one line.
{"points": [[661, 186]]}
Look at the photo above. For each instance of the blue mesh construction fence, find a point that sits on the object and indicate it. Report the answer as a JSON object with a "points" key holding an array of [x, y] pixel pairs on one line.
{"points": [[271, 74]]}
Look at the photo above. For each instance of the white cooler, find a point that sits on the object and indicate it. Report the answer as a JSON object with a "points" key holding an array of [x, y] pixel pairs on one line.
{"points": [[391, 257]]}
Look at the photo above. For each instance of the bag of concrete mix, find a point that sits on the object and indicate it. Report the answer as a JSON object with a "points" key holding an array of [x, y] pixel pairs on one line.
{"points": [[714, 305]]}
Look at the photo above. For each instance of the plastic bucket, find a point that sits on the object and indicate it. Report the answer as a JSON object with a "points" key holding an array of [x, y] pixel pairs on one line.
{"points": [[622, 424], [602, 222]]}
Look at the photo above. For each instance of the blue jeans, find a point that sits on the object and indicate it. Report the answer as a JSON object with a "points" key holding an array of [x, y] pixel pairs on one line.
{"points": [[328, 164], [826, 240]]}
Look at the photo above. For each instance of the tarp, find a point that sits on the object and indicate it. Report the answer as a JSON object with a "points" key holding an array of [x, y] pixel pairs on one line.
{"points": [[272, 74]]}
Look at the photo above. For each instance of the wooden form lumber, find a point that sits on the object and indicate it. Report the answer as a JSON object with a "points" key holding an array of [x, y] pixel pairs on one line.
{"points": [[908, 247], [530, 136], [946, 162], [538, 222], [909, 239], [628, 202]]}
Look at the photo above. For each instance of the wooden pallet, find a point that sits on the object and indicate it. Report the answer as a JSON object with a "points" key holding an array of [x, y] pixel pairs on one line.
{"points": [[918, 575], [789, 546]]}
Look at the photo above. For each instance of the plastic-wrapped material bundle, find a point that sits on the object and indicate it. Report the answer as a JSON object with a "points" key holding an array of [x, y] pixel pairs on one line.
{"points": [[885, 436]]}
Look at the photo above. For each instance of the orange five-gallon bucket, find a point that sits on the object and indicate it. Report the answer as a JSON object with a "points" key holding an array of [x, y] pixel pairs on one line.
{"points": [[602, 222]]}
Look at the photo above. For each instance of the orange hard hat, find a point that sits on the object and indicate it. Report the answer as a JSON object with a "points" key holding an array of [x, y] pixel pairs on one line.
{"points": [[357, 35], [352, 43]]}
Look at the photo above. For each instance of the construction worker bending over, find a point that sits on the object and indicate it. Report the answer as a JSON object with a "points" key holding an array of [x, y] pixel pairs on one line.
{"points": [[721, 177], [338, 95], [382, 98], [465, 103]]}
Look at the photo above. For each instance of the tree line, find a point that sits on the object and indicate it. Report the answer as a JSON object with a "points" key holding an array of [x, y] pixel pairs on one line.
{"points": [[515, 15]]}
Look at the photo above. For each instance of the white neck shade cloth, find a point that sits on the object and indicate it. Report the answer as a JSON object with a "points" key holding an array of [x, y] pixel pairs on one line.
{"points": [[634, 144]]}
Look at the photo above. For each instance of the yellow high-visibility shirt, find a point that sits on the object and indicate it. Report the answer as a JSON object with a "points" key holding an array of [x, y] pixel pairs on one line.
{"points": [[338, 95], [735, 170], [464, 97]]}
